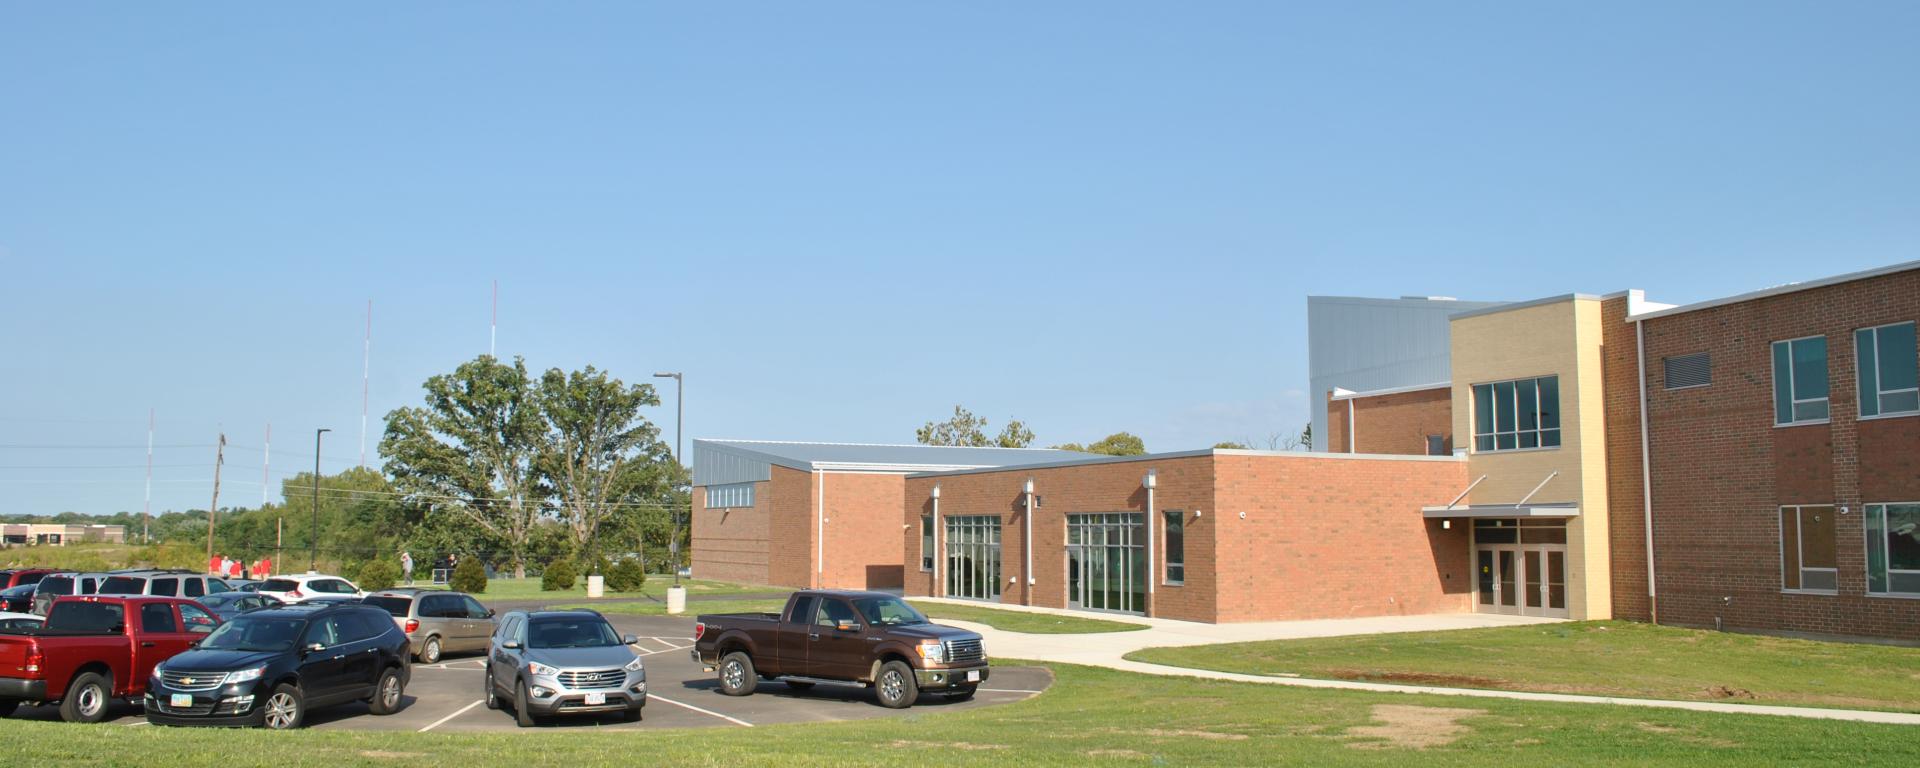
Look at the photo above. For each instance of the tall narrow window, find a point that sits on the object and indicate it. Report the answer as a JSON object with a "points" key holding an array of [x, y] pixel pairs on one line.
{"points": [[1807, 549], [1888, 383], [926, 542], [1800, 380], [1893, 549], [1176, 540], [1516, 415]]}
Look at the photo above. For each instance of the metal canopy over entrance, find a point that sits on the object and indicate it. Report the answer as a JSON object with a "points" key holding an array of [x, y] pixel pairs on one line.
{"points": [[1106, 563], [1479, 511]]}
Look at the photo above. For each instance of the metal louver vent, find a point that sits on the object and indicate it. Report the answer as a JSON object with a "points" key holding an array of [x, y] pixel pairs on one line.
{"points": [[1695, 370]]}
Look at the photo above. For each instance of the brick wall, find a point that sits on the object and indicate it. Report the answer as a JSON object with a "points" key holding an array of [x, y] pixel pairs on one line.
{"points": [[731, 544], [1721, 469], [862, 509], [790, 527], [1397, 423], [1620, 371]]}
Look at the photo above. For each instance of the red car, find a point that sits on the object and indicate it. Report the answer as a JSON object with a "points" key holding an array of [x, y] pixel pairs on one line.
{"points": [[95, 649], [21, 576]]}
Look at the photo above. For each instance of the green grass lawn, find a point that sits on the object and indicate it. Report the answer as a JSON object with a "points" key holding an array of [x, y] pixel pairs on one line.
{"points": [[1021, 621], [1089, 716], [1610, 658]]}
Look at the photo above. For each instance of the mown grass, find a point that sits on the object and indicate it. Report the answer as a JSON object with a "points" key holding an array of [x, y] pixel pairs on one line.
{"points": [[1022, 621], [1612, 658], [1088, 717]]}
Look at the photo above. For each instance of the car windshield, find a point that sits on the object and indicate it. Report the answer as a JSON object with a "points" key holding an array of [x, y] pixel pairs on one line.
{"points": [[394, 606], [56, 585], [123, 585], [571, 633], [254, 634], [888, 611], [19, 591]]}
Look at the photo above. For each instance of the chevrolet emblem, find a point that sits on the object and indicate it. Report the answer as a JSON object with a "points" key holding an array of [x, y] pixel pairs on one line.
{"points": [[186, 681]]}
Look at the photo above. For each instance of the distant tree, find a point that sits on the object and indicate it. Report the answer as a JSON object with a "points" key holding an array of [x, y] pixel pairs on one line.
{"points": [[1306, 437], [469, 576], [599, 453], [1229, 444], [966, 429], [472, 451], [1116, 444], [378, 574]]}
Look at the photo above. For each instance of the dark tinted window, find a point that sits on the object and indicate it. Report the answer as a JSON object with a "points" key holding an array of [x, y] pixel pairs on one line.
{"points": [[87, 617], [122, 585], [197, 619], [157, 617], [474, 609], [168, 587], [278, 585], [362, 625], [802, 610], [32, 578], [216, 586], [56, 585], [324, 632], [19, 623], [194, 588], [394, 606]]}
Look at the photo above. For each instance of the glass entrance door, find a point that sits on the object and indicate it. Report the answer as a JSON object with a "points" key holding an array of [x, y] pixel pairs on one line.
{"points": [[1106, 563], [1521, 579], [973, 557]]}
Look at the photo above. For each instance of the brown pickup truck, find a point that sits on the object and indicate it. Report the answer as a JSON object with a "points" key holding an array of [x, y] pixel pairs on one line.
{"points": [[833, 637]]}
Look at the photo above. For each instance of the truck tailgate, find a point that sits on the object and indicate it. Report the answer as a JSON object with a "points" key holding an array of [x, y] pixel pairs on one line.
{"points": [[13, 654]]}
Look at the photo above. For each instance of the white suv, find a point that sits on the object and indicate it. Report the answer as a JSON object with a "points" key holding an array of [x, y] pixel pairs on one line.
{"points": [[307, 586]]}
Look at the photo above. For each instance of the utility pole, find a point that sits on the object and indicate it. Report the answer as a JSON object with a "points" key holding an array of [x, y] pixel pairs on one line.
{"points": [[679, 419], [279, 527], [213, 509], [313, 543]]}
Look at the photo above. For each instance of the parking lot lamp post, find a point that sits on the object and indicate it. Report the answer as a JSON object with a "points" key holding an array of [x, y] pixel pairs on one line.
{"points": [[679, 419], [313, 544]]}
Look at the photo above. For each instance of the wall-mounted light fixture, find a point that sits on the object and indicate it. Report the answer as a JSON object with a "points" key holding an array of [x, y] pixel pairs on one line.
{"points": [[1028, 488], [1152, 480], [1445, 524], [936, 490]]}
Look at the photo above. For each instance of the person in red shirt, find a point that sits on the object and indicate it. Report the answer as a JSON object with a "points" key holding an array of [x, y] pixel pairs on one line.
{"points": [[213, 564]]}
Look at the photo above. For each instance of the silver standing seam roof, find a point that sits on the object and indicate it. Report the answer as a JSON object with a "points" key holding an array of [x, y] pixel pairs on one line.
{"points": [[719, 462], [1367, 345]]}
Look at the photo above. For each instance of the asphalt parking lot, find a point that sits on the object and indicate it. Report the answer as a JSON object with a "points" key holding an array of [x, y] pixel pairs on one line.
{"points": [[447, 697]]}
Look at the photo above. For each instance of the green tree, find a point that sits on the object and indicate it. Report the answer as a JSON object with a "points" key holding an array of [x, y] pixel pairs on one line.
{"points": [[966, 429], [1116, 444], [558, 576], [1229, 444], [473, 449], [469, 576], [599, 452]]}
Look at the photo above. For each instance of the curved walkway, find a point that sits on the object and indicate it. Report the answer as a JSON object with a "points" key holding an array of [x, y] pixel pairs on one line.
{"points": [[1109, 650]]}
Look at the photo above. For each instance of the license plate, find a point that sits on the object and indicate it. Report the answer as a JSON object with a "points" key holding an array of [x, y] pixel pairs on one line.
{"points": [[596, 699], [180, 700], [973, 675]]}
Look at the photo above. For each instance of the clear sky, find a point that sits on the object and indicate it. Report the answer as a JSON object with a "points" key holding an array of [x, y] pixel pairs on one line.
{"points": [[841, 219]]}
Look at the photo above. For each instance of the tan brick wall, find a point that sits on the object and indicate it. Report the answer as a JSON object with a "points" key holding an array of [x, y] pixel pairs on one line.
{"points": [[1397, 423], [1721, 468], [1620, 371], [731, 544]]}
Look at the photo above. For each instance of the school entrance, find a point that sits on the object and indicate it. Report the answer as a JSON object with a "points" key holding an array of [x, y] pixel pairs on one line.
{"points": [[1106, 563], [1520, 566]]}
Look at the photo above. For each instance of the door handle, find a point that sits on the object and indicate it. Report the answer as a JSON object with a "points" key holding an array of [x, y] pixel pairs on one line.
{"points": [[147, 644], [339, 657], [813, 635], [373, 650]]}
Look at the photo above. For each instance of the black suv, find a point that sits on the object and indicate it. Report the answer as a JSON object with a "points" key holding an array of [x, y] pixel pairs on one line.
{"points": [[270, 666]]}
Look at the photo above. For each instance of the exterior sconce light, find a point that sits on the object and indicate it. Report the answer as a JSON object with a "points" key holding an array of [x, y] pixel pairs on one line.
{"points": [[1028, 488], [936, 490], [1152, 480], [1445, 524]]}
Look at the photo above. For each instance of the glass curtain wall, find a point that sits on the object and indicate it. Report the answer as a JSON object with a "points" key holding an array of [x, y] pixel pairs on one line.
{"points": [[1106, 562], [973, 557]]}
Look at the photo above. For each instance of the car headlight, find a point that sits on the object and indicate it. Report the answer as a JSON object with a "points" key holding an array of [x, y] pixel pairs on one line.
{"points": [[540, 669], [635, 665], [934, 651], [245, 675]]}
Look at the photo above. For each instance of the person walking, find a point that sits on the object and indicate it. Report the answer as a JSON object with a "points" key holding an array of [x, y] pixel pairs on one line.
{"points": [[406, 566]]}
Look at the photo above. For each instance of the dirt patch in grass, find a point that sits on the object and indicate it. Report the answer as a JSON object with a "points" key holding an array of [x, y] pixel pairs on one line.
{"points": [[1724, 692], [1417, 678], [1412, 727], [960, 745], [1196, 734], [381, 754]]}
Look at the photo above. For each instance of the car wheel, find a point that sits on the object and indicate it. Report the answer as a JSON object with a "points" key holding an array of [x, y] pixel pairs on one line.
{"points": [[799, 685], [521, 715], [386, 695], [631, 715], [285, 709], [7, 706], [87, 699], [430, 653], [961, 694], [493, 699], [896, 687], [736, 674]]}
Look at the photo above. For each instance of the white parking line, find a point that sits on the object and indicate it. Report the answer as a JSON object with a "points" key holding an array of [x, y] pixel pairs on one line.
{"points": [[138, 722], [734, 720], [1005, 690], [462, 711]]}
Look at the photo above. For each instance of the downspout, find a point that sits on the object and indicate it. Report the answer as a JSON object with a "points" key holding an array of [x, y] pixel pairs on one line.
{"points": [[1153, 566], [1646, 474], [1350, 425], [937, 588], [1027, 548]]}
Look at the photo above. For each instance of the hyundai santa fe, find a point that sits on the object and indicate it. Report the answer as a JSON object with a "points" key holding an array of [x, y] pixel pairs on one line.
{"points": [[544, 663]]}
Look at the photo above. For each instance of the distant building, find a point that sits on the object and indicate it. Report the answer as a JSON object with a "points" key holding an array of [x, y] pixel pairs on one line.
{"points": [[59, 534]]}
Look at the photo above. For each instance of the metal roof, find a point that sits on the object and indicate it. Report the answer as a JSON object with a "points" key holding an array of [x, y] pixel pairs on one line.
{"points": [[717, 462], [1503, 510]]}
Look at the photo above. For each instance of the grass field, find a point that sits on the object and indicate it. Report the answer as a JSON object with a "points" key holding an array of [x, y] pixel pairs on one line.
{"points": [[1606, 658], [1089, 716], [1021, 621]]}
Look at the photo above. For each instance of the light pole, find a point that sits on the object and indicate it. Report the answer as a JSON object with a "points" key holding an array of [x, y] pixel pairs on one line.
{"points": [[679, 419], [313, 543]]}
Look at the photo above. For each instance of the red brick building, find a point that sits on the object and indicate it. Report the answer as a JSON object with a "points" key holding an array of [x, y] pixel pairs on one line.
{"points": [[1410, 421]]}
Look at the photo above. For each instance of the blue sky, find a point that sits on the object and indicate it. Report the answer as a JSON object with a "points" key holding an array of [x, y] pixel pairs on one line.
{"points": [[841, 219]]}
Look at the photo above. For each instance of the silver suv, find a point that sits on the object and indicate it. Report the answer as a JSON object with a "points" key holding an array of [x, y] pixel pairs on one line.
{"points": [[563, 663], [59, 584], [436, 621]]}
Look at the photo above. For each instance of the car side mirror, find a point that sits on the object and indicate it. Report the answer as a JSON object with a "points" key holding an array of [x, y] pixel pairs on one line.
{"points": [[511, 645], [630, 639], [489, 613], [314, 648], [846, 625]]}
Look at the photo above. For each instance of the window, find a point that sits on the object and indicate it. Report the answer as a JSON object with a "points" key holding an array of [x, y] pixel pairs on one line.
{"points": [[1888, 382], [1806, 549], [324, 633], [1800, 380], [729, 495], [1176, 541], [926, 542], [169, 587], [802, 608], [198, 620], [216, 586], [1893, 549], [194, 587], [474, 609], [1436, 445], [1686, 371], [157, 617], [832, 612], [1516, 415]]}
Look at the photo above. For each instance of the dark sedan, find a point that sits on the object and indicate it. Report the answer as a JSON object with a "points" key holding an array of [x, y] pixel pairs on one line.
{"points": [[227, 605], [17, 599], [270, 666]]}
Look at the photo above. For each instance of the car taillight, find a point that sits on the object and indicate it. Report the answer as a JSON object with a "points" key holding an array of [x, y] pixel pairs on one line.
{"points": [[412, 624], [35, 659], [699, 629]]}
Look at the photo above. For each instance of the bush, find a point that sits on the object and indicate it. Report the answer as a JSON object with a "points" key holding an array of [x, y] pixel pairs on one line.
{"points": [[558, 577], [469, 576], [380, 574], [626, 576]]}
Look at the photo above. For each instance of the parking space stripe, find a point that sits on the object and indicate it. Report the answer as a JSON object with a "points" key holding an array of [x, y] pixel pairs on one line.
{"points": [[1005, 690], [734, 720], [461, 711]]}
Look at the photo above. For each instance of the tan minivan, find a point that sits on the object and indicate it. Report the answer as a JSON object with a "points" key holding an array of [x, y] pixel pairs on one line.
{"points": [[436, 621]]}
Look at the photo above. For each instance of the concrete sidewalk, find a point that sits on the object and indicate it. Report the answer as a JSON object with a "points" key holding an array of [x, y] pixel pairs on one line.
{"points": [[1108, 649]]}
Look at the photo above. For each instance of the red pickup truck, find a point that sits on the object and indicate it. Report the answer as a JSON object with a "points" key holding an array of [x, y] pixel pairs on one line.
{"points": [[94, 649]]}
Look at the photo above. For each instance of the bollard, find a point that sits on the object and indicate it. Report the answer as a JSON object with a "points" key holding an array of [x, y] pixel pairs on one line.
{"points": [[596, 586], [676, 600]]}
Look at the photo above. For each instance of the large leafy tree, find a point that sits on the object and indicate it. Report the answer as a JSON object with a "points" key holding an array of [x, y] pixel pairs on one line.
{"points": [[473, 451], [600, 456], [1116, 444], [966, 429]]}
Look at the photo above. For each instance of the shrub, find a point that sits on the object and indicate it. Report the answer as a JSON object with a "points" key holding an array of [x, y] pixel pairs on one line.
{"points": [[380, 574], [470, 576], [558, 577], [626, 576]]}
